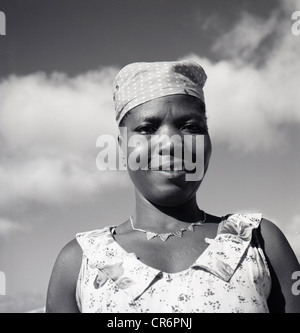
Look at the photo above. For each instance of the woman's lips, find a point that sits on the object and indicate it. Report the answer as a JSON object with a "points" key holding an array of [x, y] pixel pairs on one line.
{"points": [[169, 164]]}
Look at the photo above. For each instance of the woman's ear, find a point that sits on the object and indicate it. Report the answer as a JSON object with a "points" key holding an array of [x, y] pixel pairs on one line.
{"points": [[120, 140], [121, 150]]}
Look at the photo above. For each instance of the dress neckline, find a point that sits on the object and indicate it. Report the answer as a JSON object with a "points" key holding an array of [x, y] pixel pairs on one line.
{"points": [[111, 230]]}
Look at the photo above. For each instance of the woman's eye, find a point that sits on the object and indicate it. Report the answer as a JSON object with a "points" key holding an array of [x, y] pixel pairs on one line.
{"points": [[146, 129], [193, 128]]}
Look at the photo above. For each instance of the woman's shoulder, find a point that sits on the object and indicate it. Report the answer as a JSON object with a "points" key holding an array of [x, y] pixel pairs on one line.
{"points": [[70, 251], [274, 241], [283, 263], [83, 243], [70, 256], [272, 235], [62, 284]]}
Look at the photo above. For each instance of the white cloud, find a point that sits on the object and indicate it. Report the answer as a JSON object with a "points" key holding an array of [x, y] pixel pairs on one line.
{"points": [[48, 131], [246, 36], [252, 95], [43, 114], [55, 181]]}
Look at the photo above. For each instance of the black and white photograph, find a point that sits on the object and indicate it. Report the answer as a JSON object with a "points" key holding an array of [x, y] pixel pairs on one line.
{"points": [[149, 158]]}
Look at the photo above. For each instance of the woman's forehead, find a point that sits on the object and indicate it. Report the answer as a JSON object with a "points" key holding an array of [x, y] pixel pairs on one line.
{"points": [[178, 106]]}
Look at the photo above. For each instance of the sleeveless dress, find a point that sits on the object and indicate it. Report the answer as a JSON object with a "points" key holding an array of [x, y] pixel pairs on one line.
{"points": [[231, 275]]}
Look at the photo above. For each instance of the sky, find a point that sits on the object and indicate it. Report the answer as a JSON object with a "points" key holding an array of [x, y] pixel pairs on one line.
{"points": [[57, 63]]}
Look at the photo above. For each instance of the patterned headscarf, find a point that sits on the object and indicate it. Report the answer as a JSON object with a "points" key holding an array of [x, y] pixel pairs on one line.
{"points": [[141, 82]]}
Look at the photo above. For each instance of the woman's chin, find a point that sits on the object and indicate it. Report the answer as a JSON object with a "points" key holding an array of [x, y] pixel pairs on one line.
{"points": [[169, 196]]}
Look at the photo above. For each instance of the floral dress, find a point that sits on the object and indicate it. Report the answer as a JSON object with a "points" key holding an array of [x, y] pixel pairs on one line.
{"points": [[231, 275]]}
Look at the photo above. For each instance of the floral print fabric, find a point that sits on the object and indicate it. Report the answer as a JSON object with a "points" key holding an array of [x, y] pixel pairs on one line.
{"points": [[231, 275]]}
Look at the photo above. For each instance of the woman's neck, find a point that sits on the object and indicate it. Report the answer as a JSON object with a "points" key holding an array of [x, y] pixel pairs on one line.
{"points": [[149, 216]]}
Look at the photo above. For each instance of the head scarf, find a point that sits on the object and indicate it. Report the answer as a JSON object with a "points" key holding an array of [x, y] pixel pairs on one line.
{"points": [[141, 82]]}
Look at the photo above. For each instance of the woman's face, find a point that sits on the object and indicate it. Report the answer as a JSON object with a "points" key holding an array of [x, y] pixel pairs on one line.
{"points": [[167, 165]]}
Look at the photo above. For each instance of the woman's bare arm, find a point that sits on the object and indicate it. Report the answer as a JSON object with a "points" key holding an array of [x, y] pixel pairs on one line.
{"points": [[62, 285], [282, 263]]}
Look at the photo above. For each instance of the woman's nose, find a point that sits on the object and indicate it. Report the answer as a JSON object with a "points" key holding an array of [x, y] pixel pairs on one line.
{"points": [[170, 141], [166, 147]]}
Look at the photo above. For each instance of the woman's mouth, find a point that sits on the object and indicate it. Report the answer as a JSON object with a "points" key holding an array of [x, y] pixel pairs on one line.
{"points": [[170, 164]]}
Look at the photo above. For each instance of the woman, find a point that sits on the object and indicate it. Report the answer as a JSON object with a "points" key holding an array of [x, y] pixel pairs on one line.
{"points": [[170, 255]]}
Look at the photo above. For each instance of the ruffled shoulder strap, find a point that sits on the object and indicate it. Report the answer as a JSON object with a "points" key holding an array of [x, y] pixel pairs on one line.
{"points": [[240, 225], [226, 250], [91, 241]]}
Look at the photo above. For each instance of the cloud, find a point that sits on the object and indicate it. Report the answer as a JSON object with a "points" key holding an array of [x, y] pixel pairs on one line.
{"points": [[246, 37], [43, 114], [252, 94], [49, 126], [52, 181]]}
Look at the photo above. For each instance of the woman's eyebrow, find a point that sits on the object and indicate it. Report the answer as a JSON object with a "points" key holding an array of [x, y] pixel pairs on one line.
{"points": [[182, 118], [196, 116], [150, 119]]}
